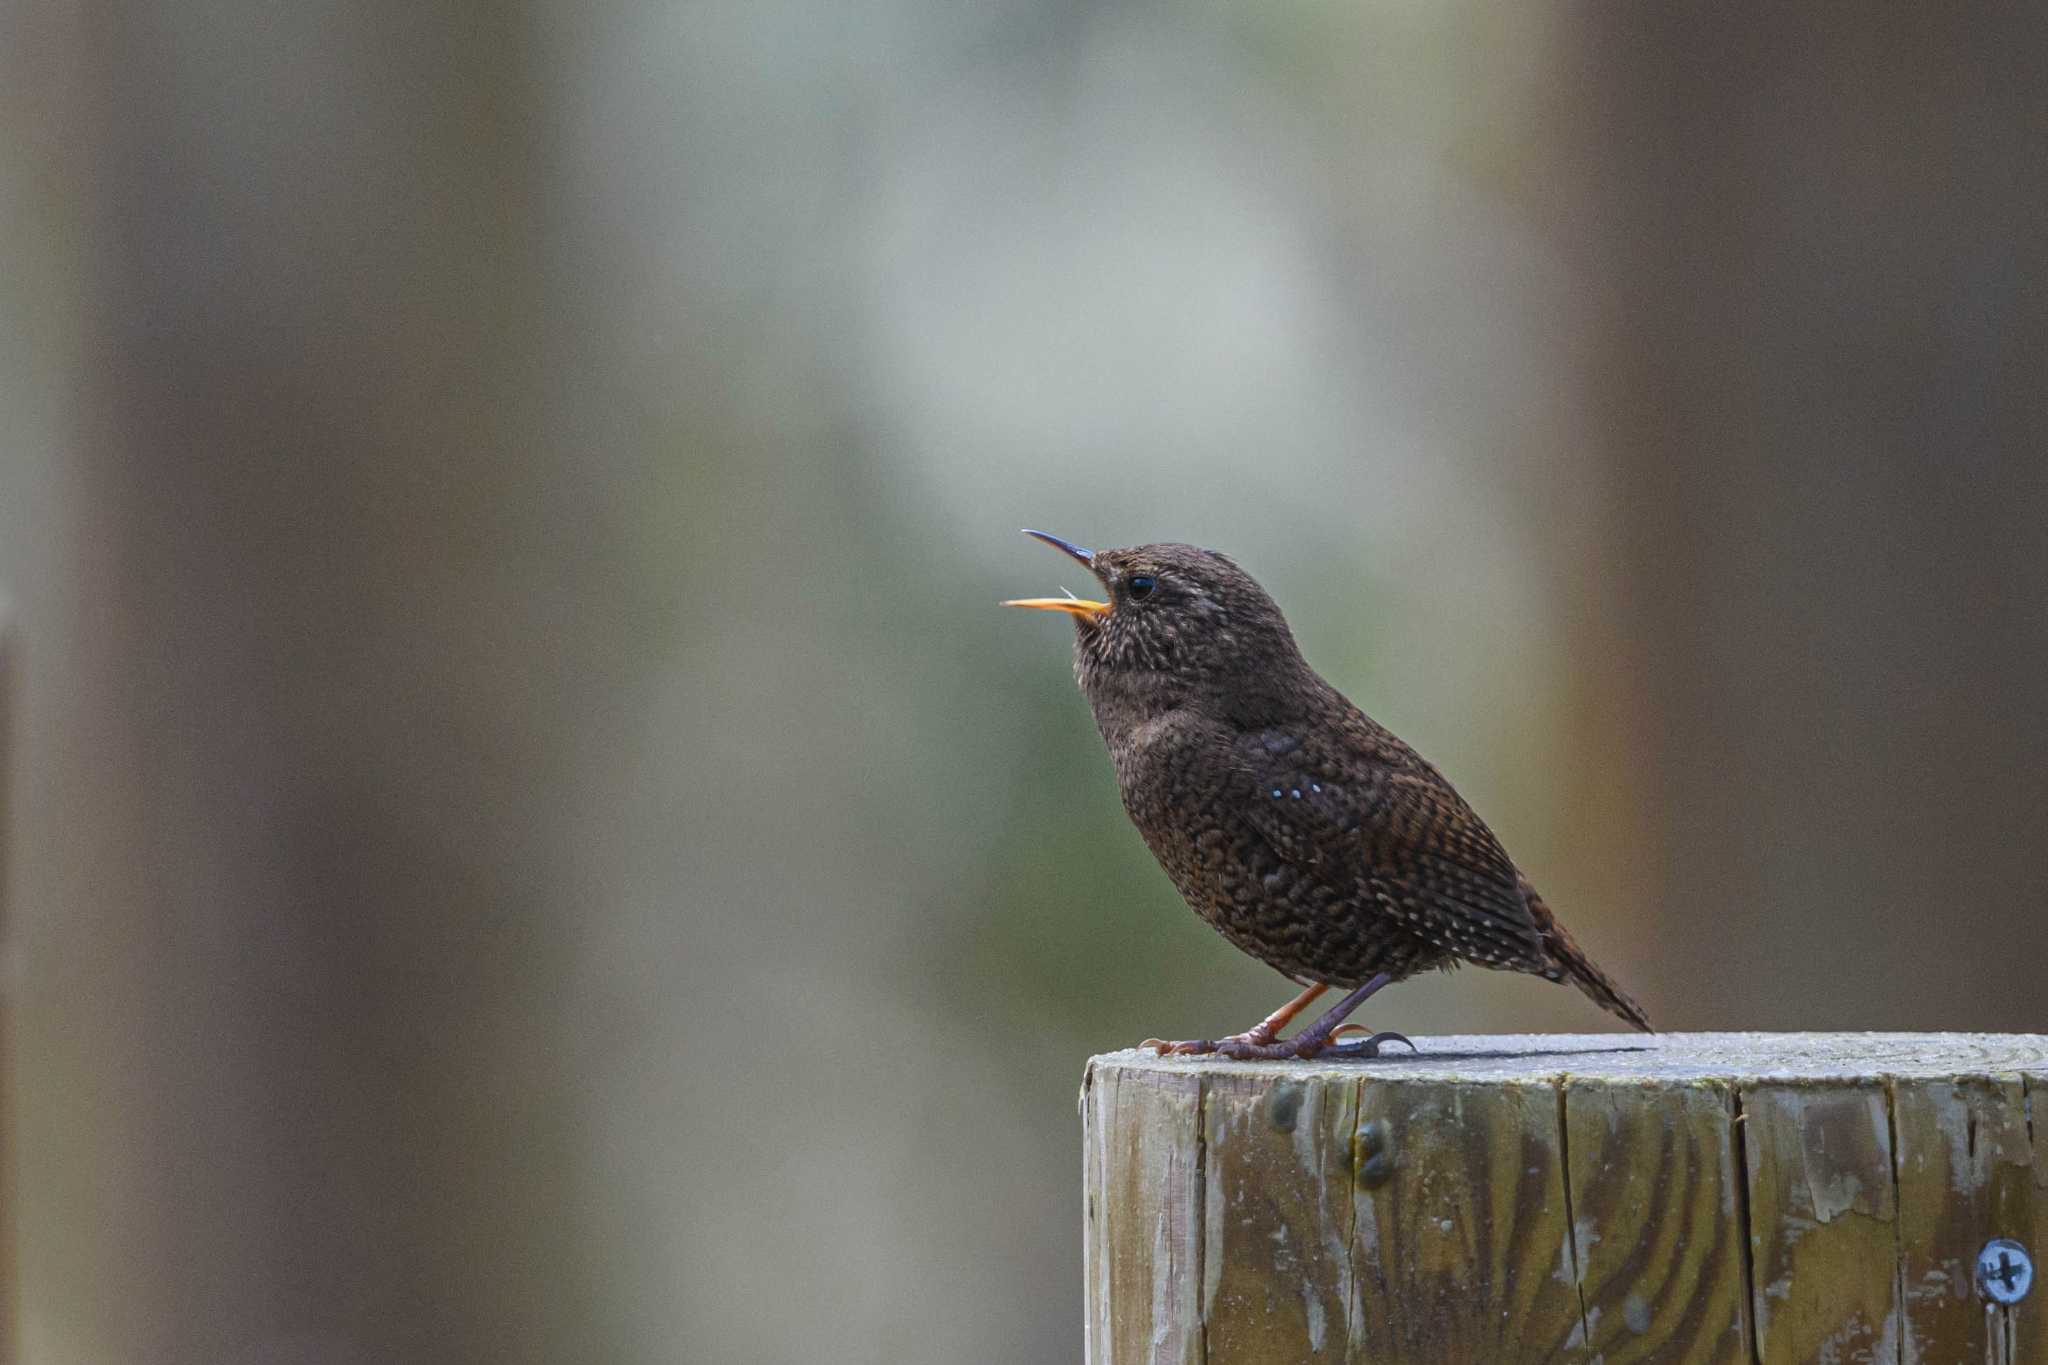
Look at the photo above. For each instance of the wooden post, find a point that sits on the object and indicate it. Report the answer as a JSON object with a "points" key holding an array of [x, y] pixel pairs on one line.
{"points": [[1673, 1198]]}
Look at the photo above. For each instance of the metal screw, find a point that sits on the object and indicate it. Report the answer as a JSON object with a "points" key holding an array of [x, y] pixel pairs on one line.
{"points": [[2004, 1270]]}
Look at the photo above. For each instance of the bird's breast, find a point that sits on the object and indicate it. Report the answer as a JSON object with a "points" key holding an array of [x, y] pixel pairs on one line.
{"points": [[1173, 771]]}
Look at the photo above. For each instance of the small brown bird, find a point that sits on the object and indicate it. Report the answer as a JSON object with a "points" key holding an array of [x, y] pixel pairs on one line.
{"points": [[1304, 832]]}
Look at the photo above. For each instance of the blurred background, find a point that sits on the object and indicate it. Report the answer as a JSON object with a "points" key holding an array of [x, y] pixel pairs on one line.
{"points": [[530, 839]]}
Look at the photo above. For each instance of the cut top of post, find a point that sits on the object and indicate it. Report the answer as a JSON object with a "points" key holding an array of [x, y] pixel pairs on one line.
{"points": [[1663, 1057]]}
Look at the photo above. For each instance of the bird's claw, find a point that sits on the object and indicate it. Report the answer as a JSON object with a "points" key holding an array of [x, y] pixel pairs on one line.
{"points": [[1188, 1047], [1365, 1047]]}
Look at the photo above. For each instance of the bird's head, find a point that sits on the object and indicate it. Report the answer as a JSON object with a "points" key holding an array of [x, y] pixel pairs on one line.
{"points": [[1181, 626]]}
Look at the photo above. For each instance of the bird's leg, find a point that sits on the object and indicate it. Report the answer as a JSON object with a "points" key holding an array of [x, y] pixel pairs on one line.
{"points": [[1260, 1034], [1314, 1041], [1268, 1028], [1319, 1038]]}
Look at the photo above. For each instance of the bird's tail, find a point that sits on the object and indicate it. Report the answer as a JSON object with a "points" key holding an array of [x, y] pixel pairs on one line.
{"points": [[1574, 966]]}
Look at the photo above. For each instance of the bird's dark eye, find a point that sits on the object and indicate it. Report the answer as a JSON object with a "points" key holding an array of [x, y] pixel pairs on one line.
{"points": [[1141, 586]]}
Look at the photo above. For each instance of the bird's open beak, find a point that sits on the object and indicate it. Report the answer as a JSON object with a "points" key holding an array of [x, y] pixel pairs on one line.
{"points": [[1077, 606]]}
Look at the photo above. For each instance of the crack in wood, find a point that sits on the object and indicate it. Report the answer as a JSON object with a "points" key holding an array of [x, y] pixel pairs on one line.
{"points": [[1571, 1222], [1351, 1297], [1200, 1296], [1891, 1121], [2027, 1106], [1745, 1235]]}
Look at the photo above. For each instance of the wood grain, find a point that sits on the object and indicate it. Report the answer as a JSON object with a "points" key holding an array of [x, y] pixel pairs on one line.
{"points": [[1656, 1206], [1461, 1243], [1822, 1222], [1704, 1197], [1966, 1174], [1145, 1216], [1276, 1257]]}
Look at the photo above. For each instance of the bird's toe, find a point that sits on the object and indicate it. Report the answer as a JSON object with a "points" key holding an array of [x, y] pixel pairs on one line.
{"points": [[1188, 1047]]}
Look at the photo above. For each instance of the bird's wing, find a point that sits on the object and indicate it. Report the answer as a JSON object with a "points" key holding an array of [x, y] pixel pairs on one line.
{"points": [[1372, 818]]}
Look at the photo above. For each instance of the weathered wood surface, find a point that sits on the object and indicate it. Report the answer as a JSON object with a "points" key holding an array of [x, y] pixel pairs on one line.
{"points": [[1748, 1198]]}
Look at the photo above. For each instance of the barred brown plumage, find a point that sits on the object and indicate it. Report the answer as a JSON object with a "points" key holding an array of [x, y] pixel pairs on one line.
{"points": [[1303, 831]]}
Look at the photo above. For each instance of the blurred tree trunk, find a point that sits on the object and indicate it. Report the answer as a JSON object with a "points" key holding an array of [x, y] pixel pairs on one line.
{"points": [[1820, 249], [304, 696]]}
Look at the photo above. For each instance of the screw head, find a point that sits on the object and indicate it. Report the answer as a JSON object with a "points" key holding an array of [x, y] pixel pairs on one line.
{"points": [[2004, 1271]]}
